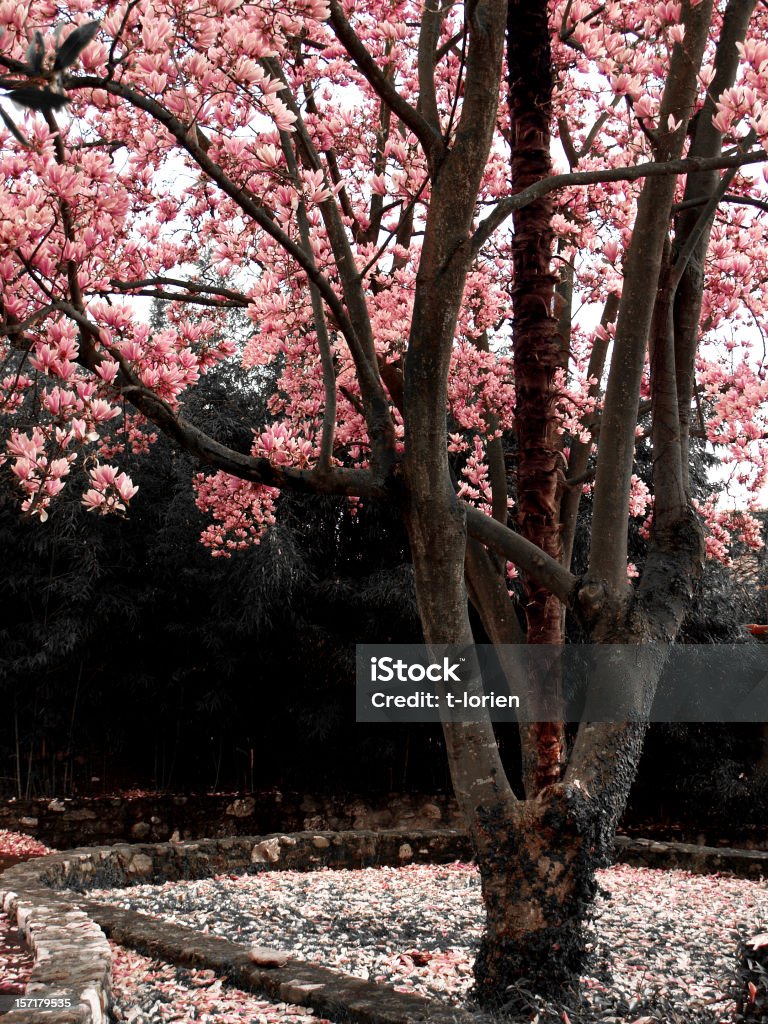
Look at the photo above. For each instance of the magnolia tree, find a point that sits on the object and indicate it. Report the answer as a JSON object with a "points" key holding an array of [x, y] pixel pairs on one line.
{"points": [[411, 203]]}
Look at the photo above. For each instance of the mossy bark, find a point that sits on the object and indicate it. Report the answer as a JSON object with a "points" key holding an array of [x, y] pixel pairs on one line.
{"points": [[538, 880]]}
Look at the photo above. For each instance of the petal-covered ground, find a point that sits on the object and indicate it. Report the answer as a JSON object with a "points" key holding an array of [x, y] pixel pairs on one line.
{"points": [[145, 991], [148, 991], [663, 941], [15, 958], [19, 846]]}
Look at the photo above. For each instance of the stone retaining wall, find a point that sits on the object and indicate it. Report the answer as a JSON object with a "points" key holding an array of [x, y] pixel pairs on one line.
{"points": [[701, 860], [141, 863], [97, 821], [72, 953]]}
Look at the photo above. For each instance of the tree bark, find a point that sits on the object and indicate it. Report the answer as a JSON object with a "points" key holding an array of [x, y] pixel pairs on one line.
{"points": [[706, 141], [537, 353], [537, 870], [642, 267], [434, 518]]}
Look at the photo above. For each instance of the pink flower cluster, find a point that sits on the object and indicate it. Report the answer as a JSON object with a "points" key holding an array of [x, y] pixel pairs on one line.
{"points": [[241, 512], [110, 490], [39, 477]]}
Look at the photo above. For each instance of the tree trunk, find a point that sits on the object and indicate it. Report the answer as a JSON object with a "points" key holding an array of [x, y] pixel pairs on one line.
{"points": [[537, 353], [537, 858], [538, 879]]}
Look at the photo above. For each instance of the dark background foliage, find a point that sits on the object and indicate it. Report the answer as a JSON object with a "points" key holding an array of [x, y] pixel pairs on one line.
{"points": [[129, 654]]}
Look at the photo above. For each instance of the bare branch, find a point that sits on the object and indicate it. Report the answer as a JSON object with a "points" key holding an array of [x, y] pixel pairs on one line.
{"points": [[566, 141], [525, 555], [704, 218], [506, 207], [111, 63], [431, 20], [395, 232], [196, 287], [728, 197], [13, 327], [594, 130], [189, 299], [579, 455], [497, 470], [449, 45]]}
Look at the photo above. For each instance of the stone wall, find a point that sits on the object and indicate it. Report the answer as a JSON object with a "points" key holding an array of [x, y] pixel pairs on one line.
{"points": [[66, 823], [701, 860], [141, 863], [85, 821]]}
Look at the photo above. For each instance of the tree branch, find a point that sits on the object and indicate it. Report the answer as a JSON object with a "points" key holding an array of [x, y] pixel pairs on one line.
{"points": [[197, 287], [378, 418], [506, 207], [697, 232], [194, 299], [642, 266], [579, 455], [431, 19], [430, 140], [526, 556], [728, 197], [706, 141], [353, 482], [318, 313]]}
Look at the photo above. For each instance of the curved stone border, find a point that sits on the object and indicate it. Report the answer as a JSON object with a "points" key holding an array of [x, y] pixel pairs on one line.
{"points": [[330, 993], [72, 953], [701, 860]]}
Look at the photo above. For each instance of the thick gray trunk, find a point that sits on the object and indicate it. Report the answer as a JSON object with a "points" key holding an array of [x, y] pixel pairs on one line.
{"points": [[538, 879]]}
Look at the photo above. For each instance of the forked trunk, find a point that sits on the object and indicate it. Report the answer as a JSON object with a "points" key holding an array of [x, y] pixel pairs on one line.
{"points": [[538, 867]]}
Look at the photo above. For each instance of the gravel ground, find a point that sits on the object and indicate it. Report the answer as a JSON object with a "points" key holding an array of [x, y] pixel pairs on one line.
{"points": [[664, 944]]}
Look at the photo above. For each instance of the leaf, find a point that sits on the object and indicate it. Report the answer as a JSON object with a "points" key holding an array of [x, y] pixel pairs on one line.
{"points": [[36, 53], [38, 99], [74, 45], [8, 122]]}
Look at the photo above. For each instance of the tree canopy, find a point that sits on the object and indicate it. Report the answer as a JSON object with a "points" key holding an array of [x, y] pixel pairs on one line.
{"points": [[414, 204]]}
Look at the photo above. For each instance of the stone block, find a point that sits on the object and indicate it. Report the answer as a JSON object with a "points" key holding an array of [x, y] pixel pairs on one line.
{"points": [[266, 852], [242, 808]]}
